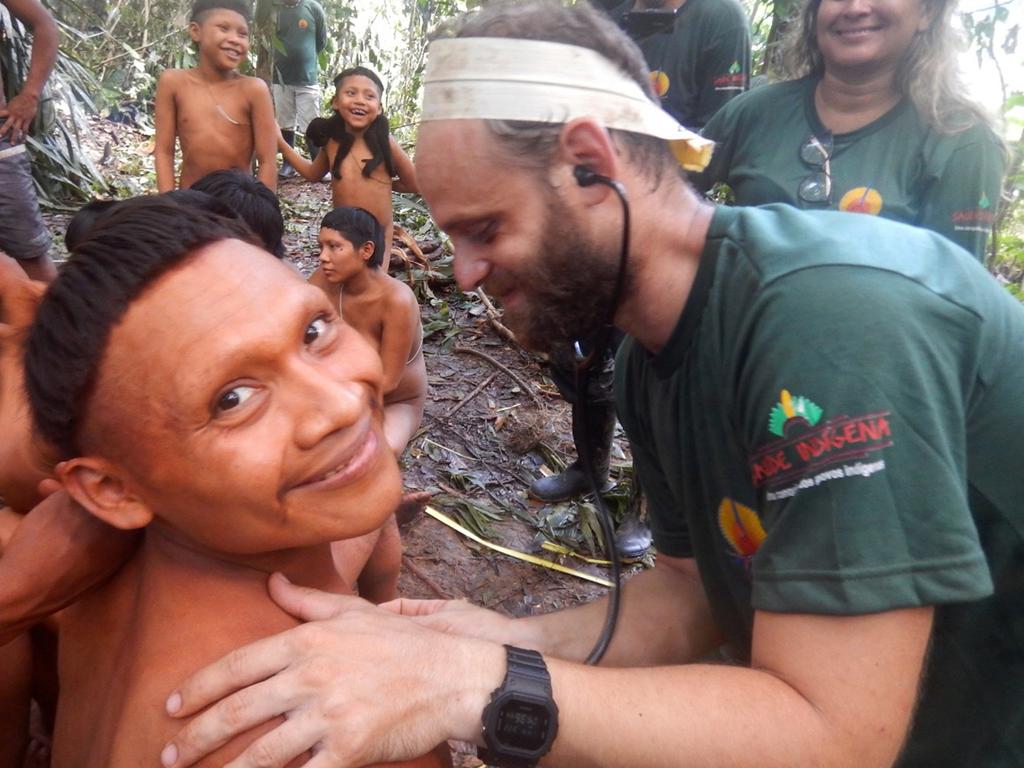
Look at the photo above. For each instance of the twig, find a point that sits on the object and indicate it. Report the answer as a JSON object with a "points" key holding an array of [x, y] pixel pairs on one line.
{"points": [[419, 574], [458, 406], [484, 356], [493, 315]]}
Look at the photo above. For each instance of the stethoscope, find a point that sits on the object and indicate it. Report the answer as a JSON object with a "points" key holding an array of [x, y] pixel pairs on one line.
{"points": [[585, 357]]}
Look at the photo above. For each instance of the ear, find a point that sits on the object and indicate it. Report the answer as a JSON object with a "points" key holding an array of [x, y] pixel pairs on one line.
{"points": [[366, 250], [98, 486], [193, 31], [584, 141]]}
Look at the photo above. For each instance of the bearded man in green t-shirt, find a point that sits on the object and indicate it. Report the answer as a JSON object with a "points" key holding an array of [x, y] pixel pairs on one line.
{"points": [[825, 414]]}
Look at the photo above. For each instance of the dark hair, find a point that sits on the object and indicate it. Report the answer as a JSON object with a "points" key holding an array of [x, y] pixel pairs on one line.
{"points": [[532, 143], [358, 226], [251, 199], [84, 220], [193, 198], [132, 246], [201, 7], [91, 213], [377, 136]]}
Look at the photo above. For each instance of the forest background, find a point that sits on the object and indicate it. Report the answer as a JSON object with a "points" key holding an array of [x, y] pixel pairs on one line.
{"points": [[112, 52]]}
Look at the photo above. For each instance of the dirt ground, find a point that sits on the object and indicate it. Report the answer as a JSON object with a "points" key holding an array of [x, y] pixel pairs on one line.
{"points": [[493, 422]]}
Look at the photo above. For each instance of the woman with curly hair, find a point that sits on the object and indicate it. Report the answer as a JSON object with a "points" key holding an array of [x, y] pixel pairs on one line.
{"points": [[874, 120]]}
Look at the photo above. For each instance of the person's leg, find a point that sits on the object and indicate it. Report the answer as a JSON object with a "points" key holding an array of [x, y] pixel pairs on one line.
{"points": [[593, 424], [23, 235], [307, 107], [284, 109]]}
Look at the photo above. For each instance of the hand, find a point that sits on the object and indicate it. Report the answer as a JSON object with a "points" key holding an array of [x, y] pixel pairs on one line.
{"points": [[359, 685], [19, 113]]}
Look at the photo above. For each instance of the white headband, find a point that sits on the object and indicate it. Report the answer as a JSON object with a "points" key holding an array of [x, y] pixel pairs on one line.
{"points": [[497, 78]]}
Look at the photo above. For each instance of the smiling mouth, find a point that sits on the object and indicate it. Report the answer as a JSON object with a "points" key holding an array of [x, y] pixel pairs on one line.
{"points": [[354, 465], [857, 32]]}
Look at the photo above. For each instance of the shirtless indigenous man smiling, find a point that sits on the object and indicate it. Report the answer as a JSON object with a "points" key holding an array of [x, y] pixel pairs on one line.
{"points": [[243, 434]]}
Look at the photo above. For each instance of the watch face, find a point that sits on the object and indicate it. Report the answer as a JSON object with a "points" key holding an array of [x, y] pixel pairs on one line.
{"points": [[523, 725]]}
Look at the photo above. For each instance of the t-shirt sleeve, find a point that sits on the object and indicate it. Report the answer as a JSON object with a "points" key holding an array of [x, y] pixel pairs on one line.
{"points": [[724, 68], [853, 413], [964, 192], [720, 129], [321, 27]]}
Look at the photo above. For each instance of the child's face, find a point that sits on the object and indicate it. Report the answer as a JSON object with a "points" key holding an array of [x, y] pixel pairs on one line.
{"points": [[339, 257], [244, 414], [357, 100], [222, 36]]}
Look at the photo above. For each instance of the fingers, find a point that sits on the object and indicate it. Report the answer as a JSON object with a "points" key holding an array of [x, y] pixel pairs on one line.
{"points": [[13, 126], [283, 744], [227, 718], [309, 604], [245, 666], [48, 487]]}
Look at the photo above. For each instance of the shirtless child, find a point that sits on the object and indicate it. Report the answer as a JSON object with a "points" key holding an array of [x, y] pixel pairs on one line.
{"points": [[364, 160], [221, 118], [386, 313], [212, 399]]}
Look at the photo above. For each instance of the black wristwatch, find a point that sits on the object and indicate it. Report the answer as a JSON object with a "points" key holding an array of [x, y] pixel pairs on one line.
{"points": [[521, 720]]}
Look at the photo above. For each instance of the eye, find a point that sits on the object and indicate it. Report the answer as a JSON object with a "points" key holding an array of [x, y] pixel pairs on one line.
{"points": [[484, 233], [315, 330], [234, 397]]}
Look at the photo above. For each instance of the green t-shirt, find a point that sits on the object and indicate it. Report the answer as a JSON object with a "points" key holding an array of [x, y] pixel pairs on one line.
{"points": [[302, 31], [701, 61], [836, 426], [896, 167]]}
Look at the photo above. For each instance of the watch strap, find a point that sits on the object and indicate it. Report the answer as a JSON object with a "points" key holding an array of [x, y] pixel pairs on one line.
{"points": [[526, 673]]}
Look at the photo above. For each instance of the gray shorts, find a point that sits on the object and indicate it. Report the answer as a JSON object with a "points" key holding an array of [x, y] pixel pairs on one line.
{"points": [[22, 232], [295, 105]]}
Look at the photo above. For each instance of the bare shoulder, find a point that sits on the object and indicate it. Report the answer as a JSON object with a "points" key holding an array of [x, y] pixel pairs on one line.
{"points": [[254, 86], [401, 298], [172, 79]]}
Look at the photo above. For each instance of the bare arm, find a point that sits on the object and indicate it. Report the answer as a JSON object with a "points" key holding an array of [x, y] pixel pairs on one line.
{"points": [[401, 323], [835, 691], [21, 110], [822, 690], [404, 169], [58, 553], [166, 122], [265, 132], [310, 171]]}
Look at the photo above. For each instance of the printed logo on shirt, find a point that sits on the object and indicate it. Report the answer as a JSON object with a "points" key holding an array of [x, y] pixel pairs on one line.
{"points": [[741, 528], [978, 219], [660, 83], [731, 80], [810, 451], [303, 24], [862, 200]]}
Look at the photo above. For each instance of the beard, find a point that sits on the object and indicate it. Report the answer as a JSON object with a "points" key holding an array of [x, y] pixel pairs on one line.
{"points": [[569, 287]]}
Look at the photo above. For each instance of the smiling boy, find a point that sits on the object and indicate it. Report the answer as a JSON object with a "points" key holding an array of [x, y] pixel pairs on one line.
{"points": [[221, 118], [258, 414]]}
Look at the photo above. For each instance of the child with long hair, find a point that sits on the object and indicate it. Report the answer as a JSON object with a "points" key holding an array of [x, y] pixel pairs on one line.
{"points": [[357, 149]]}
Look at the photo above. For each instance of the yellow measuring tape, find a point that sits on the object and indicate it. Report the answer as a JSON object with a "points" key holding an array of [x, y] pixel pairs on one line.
{"points": [[443, 518]]}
